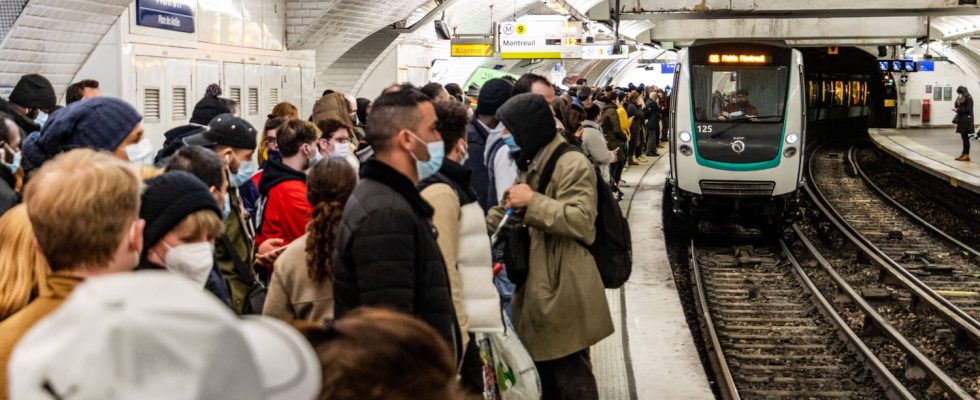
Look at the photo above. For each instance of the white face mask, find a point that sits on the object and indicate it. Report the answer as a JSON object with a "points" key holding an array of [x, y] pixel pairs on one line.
{"points": [[341, 150], [192, 260]]}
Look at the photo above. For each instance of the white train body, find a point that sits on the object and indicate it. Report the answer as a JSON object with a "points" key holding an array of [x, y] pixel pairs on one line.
{"points": [[737, 130]]}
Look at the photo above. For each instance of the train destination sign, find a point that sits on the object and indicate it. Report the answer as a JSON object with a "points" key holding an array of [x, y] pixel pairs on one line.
{"points": [[172, 15], [540, 39], [737, 59]]}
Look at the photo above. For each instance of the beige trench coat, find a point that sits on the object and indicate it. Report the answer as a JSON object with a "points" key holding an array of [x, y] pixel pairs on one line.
{"points": [[562, 308]]}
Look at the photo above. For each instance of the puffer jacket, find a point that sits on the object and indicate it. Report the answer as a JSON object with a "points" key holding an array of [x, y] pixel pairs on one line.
{"points": [[387, 254], [465, 248], [561, 308]]}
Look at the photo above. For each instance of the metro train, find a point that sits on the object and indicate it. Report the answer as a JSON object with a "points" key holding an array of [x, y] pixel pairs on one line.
{"points": [[738, 126]]}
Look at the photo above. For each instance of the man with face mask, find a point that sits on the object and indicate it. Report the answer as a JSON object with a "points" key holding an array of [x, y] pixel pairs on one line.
{"points": [[283, 211], [234, 140], [387, 254], [84, 209], [182, 222], [34, 97]]}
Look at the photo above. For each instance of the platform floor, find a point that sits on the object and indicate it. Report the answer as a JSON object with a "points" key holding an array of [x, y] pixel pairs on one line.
{"points": [[652, 354], [932, 151]]}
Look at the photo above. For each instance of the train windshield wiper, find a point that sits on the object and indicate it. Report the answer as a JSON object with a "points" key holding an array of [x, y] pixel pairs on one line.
{"points": [[740, 122]]}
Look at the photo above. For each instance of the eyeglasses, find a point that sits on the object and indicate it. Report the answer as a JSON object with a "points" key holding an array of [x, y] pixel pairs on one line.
{"points": [[270, 139]]}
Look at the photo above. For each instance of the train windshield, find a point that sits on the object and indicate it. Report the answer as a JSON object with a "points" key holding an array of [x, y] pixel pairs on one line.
{"points": [[751, 94]]}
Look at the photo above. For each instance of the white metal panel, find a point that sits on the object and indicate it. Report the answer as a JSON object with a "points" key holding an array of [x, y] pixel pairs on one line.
{"points": [[292, 88], [177, 77], [252, 12], [233, 83], [221, 22], [205, 73], [310, 95], [150, 95], [273, 24], [251, 106], [271, 88]]}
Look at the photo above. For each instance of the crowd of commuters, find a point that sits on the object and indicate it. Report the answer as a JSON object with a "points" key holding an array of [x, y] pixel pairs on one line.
{"points": [[340, 254]]}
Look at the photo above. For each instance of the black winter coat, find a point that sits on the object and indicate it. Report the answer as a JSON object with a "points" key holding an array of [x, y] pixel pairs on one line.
{"points": [[652, 111], [964, 115], [387, 254]]}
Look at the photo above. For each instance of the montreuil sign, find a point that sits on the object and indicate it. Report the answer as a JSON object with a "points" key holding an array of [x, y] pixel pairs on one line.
{"points": [[471, 47], [540, 40]]}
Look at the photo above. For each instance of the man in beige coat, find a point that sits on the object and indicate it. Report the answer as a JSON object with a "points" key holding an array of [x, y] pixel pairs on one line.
{"points": [[561, 310]]}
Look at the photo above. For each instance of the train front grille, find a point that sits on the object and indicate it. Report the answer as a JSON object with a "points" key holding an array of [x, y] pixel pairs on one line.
{"points": [[737, 188]]}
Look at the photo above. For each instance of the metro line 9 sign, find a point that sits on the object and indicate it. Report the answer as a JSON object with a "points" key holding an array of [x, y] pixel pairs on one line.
{"points": [[737, 59]]}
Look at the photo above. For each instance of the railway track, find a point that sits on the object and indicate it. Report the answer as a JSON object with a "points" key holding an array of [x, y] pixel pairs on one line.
{"points": [[923, 282], [938, 271], [772, 335]]}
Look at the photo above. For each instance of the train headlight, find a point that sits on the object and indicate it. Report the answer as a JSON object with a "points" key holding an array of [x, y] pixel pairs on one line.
{"points": [[792, 138], [789, 152], [685, 137], [686, 150]]}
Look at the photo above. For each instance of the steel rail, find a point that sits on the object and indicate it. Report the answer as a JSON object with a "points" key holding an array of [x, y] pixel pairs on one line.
{"points": [[726, 382], [911, 214], [946, 310], [896, 389]]}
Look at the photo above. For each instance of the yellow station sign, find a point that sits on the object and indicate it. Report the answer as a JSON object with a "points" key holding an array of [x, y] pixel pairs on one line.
{"points": [[472, 50]]}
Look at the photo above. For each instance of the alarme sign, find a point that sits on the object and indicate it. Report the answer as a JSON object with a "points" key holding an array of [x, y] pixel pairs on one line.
{"points": [[540, 39]]}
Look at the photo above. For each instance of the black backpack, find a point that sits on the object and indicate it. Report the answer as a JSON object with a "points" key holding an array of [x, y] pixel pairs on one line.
{"points": [[613, 245]]}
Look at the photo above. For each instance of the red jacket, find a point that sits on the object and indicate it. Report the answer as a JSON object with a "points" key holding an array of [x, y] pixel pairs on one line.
{"points": [[286, 211]]}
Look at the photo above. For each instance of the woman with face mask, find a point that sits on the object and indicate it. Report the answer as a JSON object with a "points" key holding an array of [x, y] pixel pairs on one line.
{"points": [[336, 141], [182, 221], [964, 120]]}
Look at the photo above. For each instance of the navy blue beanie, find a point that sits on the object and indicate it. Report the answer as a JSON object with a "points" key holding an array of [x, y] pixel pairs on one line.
{"points": [[99, 123]]}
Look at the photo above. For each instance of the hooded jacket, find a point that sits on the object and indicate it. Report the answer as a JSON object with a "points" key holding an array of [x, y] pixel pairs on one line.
{"points": [[387, 254], [283, 210], [612, 130], [174, 140], [561, 308]]}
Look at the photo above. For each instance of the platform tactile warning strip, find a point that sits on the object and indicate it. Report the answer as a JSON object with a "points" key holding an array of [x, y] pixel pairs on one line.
{"points": [[608, 358]]}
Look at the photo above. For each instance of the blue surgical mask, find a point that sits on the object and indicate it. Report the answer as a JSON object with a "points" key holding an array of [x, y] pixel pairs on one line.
{"points": [[245, 172], [437, 151], [316, 156], [227, 210], [15, 164], [140, 153], [41, 118], [510, 142]]}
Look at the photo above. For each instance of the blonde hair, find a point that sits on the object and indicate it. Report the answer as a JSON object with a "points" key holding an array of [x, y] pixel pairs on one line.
{"points": [[80, 205], [204, 222], [22, 268]]}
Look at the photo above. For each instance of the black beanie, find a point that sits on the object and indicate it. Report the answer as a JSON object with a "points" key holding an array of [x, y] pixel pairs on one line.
{"points": [[529, 119], [208, 108], [34, 91], [168, 199], [493, 95]]}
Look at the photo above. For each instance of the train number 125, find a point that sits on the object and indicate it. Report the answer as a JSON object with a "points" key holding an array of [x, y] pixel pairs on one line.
{"points": [[705, 128]]}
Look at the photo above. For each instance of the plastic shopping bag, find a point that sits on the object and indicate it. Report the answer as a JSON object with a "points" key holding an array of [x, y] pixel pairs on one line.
{"points": [[517, 378]]}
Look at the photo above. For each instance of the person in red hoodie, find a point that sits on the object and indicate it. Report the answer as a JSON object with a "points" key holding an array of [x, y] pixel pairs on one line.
{"points": [[282, 211]]}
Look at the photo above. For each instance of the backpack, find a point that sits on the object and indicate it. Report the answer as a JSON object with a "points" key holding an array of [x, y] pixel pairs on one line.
{"points": [[613, 245]]}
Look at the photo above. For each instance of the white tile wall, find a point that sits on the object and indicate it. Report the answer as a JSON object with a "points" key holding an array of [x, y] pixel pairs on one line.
{"points": [[54, 38]]}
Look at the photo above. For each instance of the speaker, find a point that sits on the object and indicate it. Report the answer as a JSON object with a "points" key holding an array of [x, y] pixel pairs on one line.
{"points": [[882, 51], [442, 30]]}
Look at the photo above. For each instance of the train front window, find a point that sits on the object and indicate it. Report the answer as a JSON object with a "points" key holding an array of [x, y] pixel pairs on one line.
{"points": [[739, 93]]}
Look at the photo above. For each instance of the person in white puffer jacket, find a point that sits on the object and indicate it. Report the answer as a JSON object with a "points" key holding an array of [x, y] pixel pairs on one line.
{"points": [[463, 241]]}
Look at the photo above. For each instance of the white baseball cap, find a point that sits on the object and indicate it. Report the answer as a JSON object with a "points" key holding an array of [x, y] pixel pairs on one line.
{"points": [[156, 335]]}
